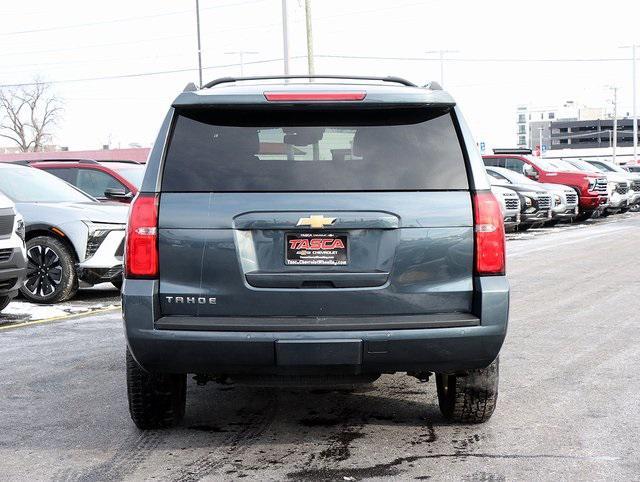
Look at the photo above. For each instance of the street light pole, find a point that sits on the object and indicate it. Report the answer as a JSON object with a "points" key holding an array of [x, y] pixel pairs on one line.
{"points": [[633, 82], [635, 116], [615, 122], [285, 37], [199, 48], [540, 139]]}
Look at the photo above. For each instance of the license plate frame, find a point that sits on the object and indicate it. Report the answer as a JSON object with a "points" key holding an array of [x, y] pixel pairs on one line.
{"points": [[316, 249]]}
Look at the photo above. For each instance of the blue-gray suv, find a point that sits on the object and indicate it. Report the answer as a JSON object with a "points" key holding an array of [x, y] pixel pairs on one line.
{"points": [[314, 230]]}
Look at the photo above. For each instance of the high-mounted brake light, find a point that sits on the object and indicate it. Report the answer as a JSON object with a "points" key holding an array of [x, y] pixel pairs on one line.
{"points": [[141, 252], [313, 96], [489, 235]]}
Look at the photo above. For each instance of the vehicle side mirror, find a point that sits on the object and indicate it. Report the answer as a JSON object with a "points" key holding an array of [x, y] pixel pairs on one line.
{"points": [[117, 194], [530, 172]]}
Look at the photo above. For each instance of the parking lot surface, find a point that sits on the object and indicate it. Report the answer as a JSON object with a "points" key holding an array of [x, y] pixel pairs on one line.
{"points": [[568, 405]]}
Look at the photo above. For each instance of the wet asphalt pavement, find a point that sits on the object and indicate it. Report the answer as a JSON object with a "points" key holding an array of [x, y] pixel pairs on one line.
{"points": [[568, 406]]}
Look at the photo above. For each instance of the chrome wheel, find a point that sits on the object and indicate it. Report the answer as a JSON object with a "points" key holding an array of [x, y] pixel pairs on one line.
{"points": [[44, 271]]}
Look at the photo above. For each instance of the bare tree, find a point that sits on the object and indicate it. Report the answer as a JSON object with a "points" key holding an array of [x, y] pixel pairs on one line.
{"points": [[27, 115]]}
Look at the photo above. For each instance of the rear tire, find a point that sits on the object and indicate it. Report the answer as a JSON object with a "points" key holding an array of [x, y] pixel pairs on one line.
{"points": [[469, 398], [4, 301], [524, 227], [51, 271], [551, 224], [155, 400]]}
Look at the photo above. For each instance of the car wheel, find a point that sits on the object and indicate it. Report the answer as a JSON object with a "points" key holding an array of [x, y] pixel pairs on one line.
{"points": [[524, 227], [469, 398], [625, 210], [155, 400], [51, 272], [551, 224], [4, 301]]}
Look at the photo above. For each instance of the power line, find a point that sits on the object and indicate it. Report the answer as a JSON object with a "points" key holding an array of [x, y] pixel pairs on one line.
{"points": [[457, 59], [139, 74], [165, 72]]}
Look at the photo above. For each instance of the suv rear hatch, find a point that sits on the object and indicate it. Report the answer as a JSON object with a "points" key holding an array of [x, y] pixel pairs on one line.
{"points": [[316, 212]]}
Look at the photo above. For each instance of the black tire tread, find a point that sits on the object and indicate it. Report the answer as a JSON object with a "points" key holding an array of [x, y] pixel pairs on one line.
{"points": [[155, 400], [472, 398], [4, 302]]}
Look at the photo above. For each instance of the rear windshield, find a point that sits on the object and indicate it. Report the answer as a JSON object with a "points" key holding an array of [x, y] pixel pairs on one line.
{"points": [[312, 150]]}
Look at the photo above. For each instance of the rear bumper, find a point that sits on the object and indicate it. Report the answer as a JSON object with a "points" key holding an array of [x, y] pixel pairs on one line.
{"points": [[158, 346]]}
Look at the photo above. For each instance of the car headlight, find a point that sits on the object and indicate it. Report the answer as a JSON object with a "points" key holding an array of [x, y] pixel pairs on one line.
{"points": [[97, 234], [20, 227]]}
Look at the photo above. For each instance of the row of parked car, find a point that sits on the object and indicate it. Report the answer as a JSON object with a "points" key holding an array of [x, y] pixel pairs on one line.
{"points": [[62, 226], [62, 222], [536, 192]]}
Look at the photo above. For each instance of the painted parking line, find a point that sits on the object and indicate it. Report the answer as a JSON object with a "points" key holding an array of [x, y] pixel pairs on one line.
{"points": [[59, 318]]}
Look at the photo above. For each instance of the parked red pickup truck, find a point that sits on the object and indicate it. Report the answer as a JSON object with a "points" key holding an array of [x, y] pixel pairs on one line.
{"points": [[591, 188]]}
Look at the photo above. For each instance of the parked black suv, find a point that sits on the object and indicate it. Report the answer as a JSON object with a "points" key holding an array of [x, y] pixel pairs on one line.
{"points": [[290, 230]]}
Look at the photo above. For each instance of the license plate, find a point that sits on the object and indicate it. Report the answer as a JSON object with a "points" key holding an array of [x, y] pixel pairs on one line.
{"points": [[316, 249]]}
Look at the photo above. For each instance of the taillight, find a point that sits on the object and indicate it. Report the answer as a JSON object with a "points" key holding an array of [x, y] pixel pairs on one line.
{"points": [[313, 96], [141, 252], [489, 234]]}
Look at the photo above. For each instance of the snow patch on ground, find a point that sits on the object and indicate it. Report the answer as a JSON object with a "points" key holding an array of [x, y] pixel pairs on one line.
{"points": [[99, 297], [23, 311]]}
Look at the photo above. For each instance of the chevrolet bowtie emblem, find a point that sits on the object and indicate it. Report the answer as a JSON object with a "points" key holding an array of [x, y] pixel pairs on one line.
{"points": [[315, 221]]}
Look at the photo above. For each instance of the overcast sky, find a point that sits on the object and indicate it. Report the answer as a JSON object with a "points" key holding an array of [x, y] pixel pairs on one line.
{"points": [[507, 53]]}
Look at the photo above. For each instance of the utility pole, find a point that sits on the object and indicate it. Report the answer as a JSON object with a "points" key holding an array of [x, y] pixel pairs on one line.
{"points": [[540, 139], [615, 122], [285, 37], [635, 105], [241, 53], [199, 49], [633, 81], [441, 54], [307, 11]]}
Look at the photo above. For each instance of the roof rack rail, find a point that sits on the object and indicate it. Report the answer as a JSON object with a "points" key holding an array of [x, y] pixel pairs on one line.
{"points": [[125, 161], [512, 150], [81, 161], [226, 80]]}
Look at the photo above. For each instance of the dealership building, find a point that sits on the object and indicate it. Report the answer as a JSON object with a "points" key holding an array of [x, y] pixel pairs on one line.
{"points": [[573, 130]]}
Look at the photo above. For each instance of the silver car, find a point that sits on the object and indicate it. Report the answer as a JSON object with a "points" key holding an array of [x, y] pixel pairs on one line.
{"points": [[72, 239], [13, 258], [633, 178], [564, 204]]}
